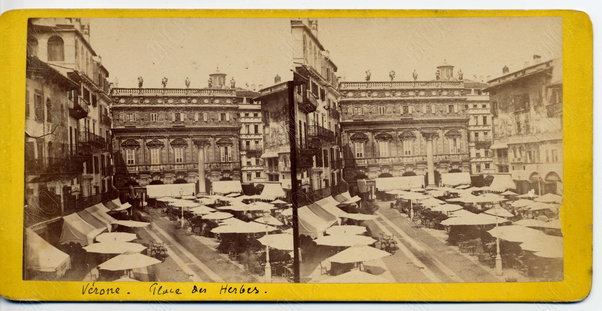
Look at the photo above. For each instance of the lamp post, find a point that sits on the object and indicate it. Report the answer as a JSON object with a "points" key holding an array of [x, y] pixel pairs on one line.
{"points": [[498, 256], [268, 266], [181, 212]]}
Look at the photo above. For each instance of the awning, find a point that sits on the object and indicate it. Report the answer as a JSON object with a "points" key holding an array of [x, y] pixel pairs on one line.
{"points": [[404, 182], [269, 154], [170, 190], [342, 197], [91, 219], [329, 204], [98, 211], [502, 183], [77, 230], [311, 224], [42, 256], [455, 179], [226, 186], [499, 145], [113, 204], [272, 191]]}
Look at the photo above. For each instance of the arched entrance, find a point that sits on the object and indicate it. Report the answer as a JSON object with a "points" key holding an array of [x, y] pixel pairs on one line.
{"points": [[552, 183], [535, 182]]}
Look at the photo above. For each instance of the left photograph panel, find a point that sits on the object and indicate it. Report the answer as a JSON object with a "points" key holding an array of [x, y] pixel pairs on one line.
{"points": [[158, 149]]}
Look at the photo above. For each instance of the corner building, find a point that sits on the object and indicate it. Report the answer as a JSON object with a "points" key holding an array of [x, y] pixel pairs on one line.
{"points": [[177, 135], [405, 128]]}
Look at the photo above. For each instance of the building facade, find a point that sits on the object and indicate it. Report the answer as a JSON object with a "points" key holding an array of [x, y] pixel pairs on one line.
{"points": [[177, 135], [480, 129], [317, 113], [68, 152], [405, 128], [251, 139], [527, 125]]}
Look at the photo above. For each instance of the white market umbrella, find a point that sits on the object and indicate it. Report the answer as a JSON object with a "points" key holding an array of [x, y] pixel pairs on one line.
{"points": [[462, 186], [549, 198], [167, 199], [344, 240], [359, 216], [281, 241], [537, 206], [235, 206], [355, 276], [515, 233], [509, 193], [547, 246], [396, 192], [188, 197], [116, 237], [217, 216], [233, 194], [262, 206], [473, 219], [123, 207], [278, 201], [232, 222], [126, 279], [352, 200], [271, 220], [492, 198], [499, 211], [358, 254], [287, 212], [184, 203], [132, 223], [431, 202], [346, 229], [202, 210], [114, 247], [521, 203], [534, 223], [127, 262], [244, 227], [446, 208]]}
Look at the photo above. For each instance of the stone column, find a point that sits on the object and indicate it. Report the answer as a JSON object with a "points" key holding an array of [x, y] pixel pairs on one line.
{"points": [[201, 167], [429, 136]]}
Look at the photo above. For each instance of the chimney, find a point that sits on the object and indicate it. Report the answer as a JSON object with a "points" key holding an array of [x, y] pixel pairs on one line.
{"points": [[277, 79], [505, 70], [536, 59]]}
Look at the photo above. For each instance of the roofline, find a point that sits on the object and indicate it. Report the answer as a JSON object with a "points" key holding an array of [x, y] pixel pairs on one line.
{"points": [[490, 82]]}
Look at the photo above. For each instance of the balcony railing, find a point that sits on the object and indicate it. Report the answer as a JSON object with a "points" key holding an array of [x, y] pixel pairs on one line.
{"points": [[177, 167], [79, 108], [320, 132], [63, 165], [334, 113], [105, 120], [554, 110], [309, 103], [399, 85], [93, 140], [400, 160], [172, 92]]}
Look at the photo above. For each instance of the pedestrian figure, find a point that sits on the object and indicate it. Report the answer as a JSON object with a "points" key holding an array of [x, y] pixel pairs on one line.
{"points": [[94, 274]]}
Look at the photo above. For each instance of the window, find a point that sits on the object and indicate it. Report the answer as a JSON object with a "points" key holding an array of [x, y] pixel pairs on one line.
{"points": [[358, 148], [226, 154], [554, 155], [205, 116], [383, 148], [247, 145], [256, 128], [407, 146], [358, 111], [484, 120], [547, 156], [55, 49], [256, 114], [478, 168], [227, 116], [32, 47], [247, 129], [450, 108], [325, 156], [177, 117], [222, 116], [454, 145], [406, 109], [155, 156], [257, 174], [48, 110], [382, 110], [26, 103], [429, 109], [179, 154], [154, 117], [130, 155], [487, 165], [249, 176]]}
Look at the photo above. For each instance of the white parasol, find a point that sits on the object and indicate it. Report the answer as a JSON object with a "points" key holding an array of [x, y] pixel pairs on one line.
{"points": [[358, 254], [534, 223], [271, 220], [514, 233], [468, 219], [244, 227], [344, 240], [499, 211], [127, 262], [446, 208], [114, 247], [132, 224], [549, 198], [521, 203], [355, 276], [217, 216], [202, 210], [116, 236], [359, 216], [281, 241], [346, 229]]}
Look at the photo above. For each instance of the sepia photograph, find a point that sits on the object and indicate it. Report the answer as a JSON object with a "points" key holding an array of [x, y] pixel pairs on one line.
{"points": [[304, 150]]}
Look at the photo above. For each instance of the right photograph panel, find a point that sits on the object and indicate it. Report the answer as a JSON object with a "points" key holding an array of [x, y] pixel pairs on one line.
{"points": [[428, 149]]}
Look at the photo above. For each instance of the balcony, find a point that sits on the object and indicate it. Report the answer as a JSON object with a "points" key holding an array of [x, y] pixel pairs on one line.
{"points": [[309, 104], [321, 133], [402, 160], [105, 120], [79, 109], [90, 143], [56, 166], [252, 151], [305, 159], [334, 113], [177, 167], [554, 110]]}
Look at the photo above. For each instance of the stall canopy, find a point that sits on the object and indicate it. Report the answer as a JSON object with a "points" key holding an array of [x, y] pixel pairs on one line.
{"points": [[169, 190], [325, 211], [329, 204], [404, 182], [100, 212], [342, 197], [42, 256], [226, 186], [455, 179], [113, 204], [92, 220], [311, 224], [272, 192], [502, 183], [77, 230]]}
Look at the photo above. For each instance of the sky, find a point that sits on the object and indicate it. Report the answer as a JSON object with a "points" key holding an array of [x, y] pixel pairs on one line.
{"points": [[253, 51]]}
